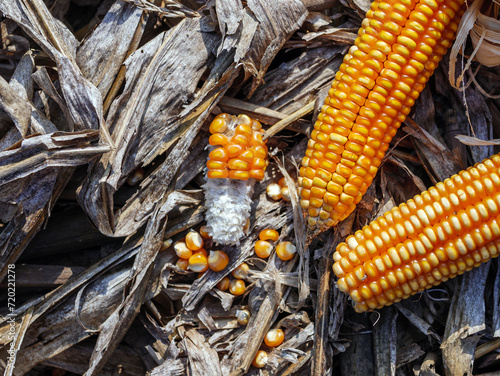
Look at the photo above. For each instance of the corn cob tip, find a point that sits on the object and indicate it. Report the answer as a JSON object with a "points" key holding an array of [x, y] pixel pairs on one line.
{"points": [[398, 47], [237, 149], [439, 234]]}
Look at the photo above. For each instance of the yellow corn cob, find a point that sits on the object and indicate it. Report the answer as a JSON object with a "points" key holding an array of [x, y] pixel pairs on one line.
{"points": [[242, 154], [238, 157], [437, 235], [398, 47]]}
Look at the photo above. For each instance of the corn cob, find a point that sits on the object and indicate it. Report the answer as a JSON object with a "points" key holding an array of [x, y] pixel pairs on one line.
{"points": [[238, 157], [398, 47], [439, 234]]}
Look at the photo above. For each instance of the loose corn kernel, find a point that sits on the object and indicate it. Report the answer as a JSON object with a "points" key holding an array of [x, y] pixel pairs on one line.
{"points": [[263, 248], [182, 250], [198, 262], [242, 153], [285, 250], [194, 241], [166, 244], [273, 190], [241, 272], [274, 337], [182, 264], [223, 284], [260, 359], [203, 251], [381, 77], [269, 234], [204, 232], [285, 194], [427, 246], [237, 287], [242, 316], [217, 260]]}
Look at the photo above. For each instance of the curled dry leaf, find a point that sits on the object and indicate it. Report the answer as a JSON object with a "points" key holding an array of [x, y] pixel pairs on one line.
{"points": [[51, 150]]}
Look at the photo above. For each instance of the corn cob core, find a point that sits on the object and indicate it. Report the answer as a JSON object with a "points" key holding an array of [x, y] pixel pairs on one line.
{"points": [[398, 47], [241, 153], [238, 157], [439, 234]]}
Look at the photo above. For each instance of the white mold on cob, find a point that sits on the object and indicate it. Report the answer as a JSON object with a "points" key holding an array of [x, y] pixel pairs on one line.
{"points": [[238, 157]]}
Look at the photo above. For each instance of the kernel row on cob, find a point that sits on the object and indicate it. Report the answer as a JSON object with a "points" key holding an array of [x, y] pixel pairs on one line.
{"points": [[439, 234], [398, 47], [237, 158]]}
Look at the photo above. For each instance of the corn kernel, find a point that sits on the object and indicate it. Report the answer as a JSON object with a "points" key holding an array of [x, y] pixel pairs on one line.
{"points": [[274, 337], [285, 250], [217, 260], [260, 359], [237, 287]]}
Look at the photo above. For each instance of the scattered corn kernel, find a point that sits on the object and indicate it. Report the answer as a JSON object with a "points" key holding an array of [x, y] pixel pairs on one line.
{"points": [[242, 316], [269, 234], [223, 284], [260, 359], [198, 263], [194, 241], [182, 250], [273, 190], [274, 337], [285, 194], [217, 260], [285, 250], [241, 272], [263, 248], [204, 232], [282, 182], [437, 235], [182, 264], [237, 287], [378, 82], [166, 244], [203, 251]]}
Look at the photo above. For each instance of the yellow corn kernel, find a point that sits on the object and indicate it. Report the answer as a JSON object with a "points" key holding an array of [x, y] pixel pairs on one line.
{"points": [[223, 284], [273, 190], [260, 359], [263, 248], [198, 262], [194, 241], [424, 250], [285, 250], [182, 250], [237, 287], [269, 234], [241, 272], [217, 260], [380, 78], [182, 264], [274, 337]]}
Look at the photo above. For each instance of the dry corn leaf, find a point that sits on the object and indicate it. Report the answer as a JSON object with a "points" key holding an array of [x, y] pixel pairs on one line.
{"points": [[103, 52], [291, 86], [146, 116], [385, 342], [51, 150], [465, 321], [273, 31], [83, 100]]}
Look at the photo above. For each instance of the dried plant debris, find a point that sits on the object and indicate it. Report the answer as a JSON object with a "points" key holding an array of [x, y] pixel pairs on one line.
{"points": [[105, 108]]}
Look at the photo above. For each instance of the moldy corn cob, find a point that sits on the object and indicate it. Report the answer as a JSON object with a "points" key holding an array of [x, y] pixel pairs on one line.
{"points": [[237, 158], [437, 235], [398, 47]]}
